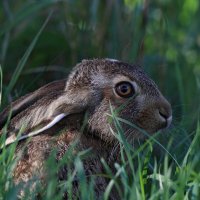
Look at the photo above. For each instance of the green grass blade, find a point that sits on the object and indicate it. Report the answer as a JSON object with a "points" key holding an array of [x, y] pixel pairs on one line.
{"points": [[1, 81], [28, 10], [180, 86], [25, 57], [149, 136]]}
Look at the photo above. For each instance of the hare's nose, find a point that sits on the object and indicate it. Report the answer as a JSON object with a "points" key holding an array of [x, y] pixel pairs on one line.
{"points": [[165, 115]]}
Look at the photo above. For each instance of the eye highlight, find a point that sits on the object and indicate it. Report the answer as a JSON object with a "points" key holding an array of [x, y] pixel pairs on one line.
{"points": [[124, 89]]}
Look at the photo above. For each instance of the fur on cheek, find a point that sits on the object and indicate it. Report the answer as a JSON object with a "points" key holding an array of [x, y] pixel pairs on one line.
{"points": [[99, 123]]}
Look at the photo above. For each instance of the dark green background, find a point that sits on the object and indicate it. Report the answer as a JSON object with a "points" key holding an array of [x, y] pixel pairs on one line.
{"points": [[163, 36]]}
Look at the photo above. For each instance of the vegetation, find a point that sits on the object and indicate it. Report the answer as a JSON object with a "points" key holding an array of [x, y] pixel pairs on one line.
{"points": [[41, 40]]}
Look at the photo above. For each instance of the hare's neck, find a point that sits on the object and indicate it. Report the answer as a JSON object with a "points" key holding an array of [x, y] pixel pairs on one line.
{"points": [[99, 148]]}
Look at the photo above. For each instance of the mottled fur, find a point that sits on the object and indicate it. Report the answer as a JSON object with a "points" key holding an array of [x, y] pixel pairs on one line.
{"points": [[88, 89]]}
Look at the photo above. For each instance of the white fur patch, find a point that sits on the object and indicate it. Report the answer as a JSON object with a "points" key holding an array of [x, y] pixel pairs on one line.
{"points": [[169, 120], [112, 60], [100, 80], [13, 138]]}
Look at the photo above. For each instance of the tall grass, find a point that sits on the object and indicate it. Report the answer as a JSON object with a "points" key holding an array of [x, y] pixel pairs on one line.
{"points": [[164, 37], [1, 82], [139, 176]]}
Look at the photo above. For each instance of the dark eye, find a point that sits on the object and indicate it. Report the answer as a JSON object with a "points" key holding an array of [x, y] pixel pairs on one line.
{"points": [[125, 89]]}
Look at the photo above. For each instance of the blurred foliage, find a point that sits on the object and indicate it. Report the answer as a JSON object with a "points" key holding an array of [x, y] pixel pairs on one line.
{"points": [[163, 36]]}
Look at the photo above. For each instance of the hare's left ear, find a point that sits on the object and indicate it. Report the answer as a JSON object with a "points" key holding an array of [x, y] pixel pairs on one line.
{"points": [[26, 101], [62, 107], [13, 137]]}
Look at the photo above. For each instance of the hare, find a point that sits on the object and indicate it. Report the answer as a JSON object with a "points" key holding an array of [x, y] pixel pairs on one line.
{"points": [[60, 106]]}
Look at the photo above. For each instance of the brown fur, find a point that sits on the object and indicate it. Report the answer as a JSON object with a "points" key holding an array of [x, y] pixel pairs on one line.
{"points": [[88, 89]]}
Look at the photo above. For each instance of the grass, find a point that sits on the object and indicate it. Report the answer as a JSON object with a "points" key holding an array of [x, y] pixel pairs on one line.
{"points": [[165, 166], [149, 178]]}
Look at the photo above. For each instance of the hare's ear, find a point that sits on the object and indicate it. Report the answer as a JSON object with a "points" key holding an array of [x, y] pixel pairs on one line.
{"points": [[24, 102], [54, 121], [60, 111]]}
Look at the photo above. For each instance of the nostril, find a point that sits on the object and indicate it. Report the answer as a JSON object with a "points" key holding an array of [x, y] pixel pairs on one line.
{"points": [[164, 115], [165, 112]]}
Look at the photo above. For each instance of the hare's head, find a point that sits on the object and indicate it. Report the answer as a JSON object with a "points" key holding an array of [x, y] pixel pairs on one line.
{"points": [[96, 84], [93, 87]]}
